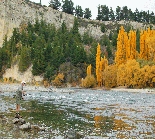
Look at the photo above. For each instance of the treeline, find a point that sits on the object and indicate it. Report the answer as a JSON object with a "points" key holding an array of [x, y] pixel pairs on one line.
{"points": [[46, 48], [107, 14], [49, 49], [104, 12]]}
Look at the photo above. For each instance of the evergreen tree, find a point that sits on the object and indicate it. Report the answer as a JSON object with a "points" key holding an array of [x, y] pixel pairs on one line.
{"points": [[37, 56], [87, 13], [50, 71], [152, 18], [25, 59], [87, 39], [103, 28], [68, 6], [130, 15], [111, 14], [75, 31], [55, 4], [138, 40], [110, 35], [105, 40], [78, 11], [3, 60], [114, 39], [148, 16], [105, 13], [118, 13], [136, 15], [99, 15], [63, 28], [125, 13]]}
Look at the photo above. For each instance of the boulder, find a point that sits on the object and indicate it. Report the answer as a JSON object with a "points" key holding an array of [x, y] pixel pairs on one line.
{"points": [[25, 126], [37, 128], [72, 134]]}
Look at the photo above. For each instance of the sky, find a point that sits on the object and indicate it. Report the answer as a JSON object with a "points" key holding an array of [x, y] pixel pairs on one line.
{"points": [[141, 5]]}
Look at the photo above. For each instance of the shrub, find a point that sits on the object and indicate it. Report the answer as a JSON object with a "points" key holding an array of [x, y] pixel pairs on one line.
{"points": [[110, 76], [59, 79], [103, 28], [89, 82]]}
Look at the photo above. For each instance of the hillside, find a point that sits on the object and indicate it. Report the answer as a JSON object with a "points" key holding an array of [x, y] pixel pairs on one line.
{"points": [[17, 12]]}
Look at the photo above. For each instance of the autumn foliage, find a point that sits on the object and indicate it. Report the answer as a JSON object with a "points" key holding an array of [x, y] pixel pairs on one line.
{"points": [[126, 46], [110, 76], [59, 79], [101, 64], [131, 68], [89, 70], [89, 81], [147, 45]]}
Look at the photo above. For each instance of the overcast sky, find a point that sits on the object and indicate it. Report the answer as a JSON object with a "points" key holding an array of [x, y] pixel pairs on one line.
{"points": [[143, 5]]}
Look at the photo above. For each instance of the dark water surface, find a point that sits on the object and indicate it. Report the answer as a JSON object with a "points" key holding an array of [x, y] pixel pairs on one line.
{"points": [[90, 113]]}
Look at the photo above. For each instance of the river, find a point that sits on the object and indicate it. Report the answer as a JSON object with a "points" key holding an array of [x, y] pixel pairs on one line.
{"points": [[99, 114]]}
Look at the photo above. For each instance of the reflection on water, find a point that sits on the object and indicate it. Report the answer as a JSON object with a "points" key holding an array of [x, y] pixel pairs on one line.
{"points": [[90, 113]]}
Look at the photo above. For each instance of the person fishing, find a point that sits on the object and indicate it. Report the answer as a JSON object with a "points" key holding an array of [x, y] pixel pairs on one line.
{"points": [[19, 96]]}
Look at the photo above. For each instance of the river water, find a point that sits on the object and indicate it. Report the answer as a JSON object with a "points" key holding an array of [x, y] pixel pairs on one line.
{"points": [[98, 114]]}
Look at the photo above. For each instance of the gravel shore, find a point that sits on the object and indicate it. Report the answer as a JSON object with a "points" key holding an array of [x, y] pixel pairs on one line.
{"points": [[13, 87], [134, 90]]}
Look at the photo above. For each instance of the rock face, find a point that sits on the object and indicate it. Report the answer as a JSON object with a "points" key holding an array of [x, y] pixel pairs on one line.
{"points": [[15, 12], [15, 74], [27, 75]]}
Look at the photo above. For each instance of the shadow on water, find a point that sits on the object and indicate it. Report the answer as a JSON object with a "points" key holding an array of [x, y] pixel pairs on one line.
{"points": [[93, 115]]}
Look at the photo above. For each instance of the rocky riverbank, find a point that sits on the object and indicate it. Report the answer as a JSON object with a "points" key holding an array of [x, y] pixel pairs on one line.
{"points": [[13, 87], [124, 89], [87, 113]]}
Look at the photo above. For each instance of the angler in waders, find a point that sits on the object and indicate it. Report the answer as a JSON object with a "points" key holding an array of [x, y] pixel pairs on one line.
{"points": [[19, 96]]}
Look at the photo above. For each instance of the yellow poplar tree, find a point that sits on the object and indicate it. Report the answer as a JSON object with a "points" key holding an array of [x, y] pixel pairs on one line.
{"points": [[143, 47], [98, 72], [126, 46], [101, 64], [147, 45], [89, 80], [131, 46], [122, 40], [89, 70], [121, 74]]}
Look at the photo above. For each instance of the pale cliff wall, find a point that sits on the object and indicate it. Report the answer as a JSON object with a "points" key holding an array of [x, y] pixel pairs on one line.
{"points": [[27, 76], [13, 12]]}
